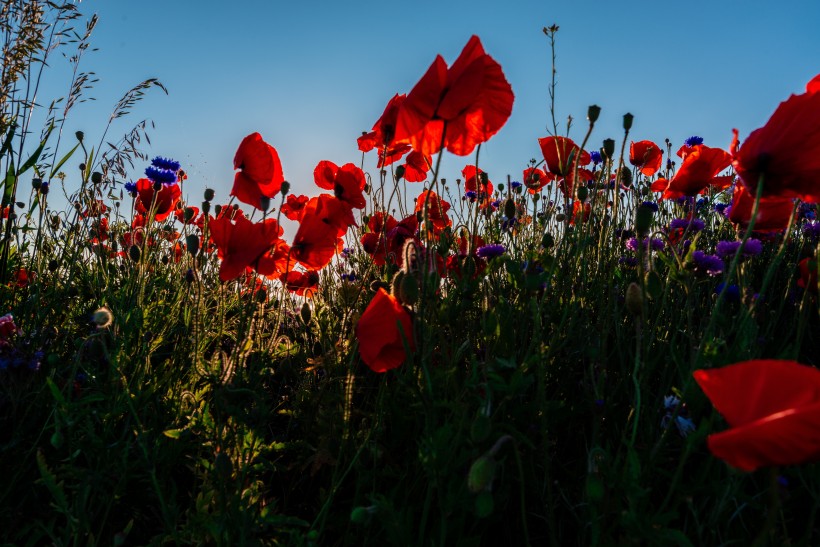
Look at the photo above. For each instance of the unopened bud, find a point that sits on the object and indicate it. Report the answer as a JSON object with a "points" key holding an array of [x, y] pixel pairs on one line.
{"points": [[608, 149], [396, 285], [481, 474], [264, 203], [400, 172], [285, 188], [409, 289], [509, 208], [634, 299], [134, 253], [593, 112], [305, 313], [628, 121], [209, 194], [643, 219], [192, 244], [96, 177], [206, 207], [80, 135], [582, 192]]}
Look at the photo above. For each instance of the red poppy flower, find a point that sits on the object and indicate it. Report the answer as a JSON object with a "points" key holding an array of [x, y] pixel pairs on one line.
{"points": [[456, 108], [94, 209], [165, 201], [382, 331], [698, 170], [560, 154], [786, 150], [260, 171], [276, 260], [773, 213], [347, 182], [180, 214], [773, 409], [535, 179], [807, 269], [416, 166], [294, 207], [374, 242], [319, 237], [384, 130], [301, 283], [23, 277], [434, 209], [389, 156], [241, 243], [473, 184], [646, 155], [580, 212]]}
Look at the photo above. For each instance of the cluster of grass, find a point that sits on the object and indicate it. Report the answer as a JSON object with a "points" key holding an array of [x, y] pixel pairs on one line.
{"points": [[545, 401]]}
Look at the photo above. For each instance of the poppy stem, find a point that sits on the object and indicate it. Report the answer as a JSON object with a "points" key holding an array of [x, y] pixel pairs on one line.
{"points": [[774, 508]]}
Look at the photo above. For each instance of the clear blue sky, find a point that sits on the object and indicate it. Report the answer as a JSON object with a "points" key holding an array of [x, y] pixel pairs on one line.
{"points": [[311, 76]]}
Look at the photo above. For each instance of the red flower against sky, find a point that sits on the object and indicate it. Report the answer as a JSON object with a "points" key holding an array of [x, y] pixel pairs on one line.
{"points": [[301, 283], [165, 202], [698, 170], [382, 331], [260, 171], [384, 130], [319, 237], [276, 260], [457, 107], [773, 409], [347, 182], [535, 179], [241, 243], [560, 154], [580, 212], [786, 150], [645, 155], [773, 213], [416, 167], [434, 210], [294, 207]]}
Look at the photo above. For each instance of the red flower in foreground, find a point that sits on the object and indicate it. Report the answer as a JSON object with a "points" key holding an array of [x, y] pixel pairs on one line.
{"points": [[319, 237], [384, 130], [416, 166], [699, 170], [433, 209], [773, 408], [646, 156], [786, 150], [456, 108], [294, 207], [347, 182], [241, 243], [560, 154], [535, 179], [382, 331], [473, 182], [260, 171], [773, 213], [165, 201]]}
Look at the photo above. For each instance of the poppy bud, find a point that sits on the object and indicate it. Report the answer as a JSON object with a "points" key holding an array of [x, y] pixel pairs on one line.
{"points": [[469, 266], [304, 313], [361, 515], [285, 188], [536, 197], [409, 256], [35, 183], [395, 285], [500, 187], [409, 290], [79, 135], [634, 299], [547, 241], [190, 276], [593, 112], [608, 149], [206, 207], [209, 194], [400, 172], [134, 253], [96, 177], [102, 318], [481, 474], [44, 188], [217, 209], [188, 214], [625, 176], [264, 203], [192, 243], [582, 193], [628, 121], [509, 208], [485, 178], [82, 167], [53, 265]]}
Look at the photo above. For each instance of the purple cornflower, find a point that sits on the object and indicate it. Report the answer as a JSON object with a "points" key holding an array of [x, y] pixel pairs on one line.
{"points": [[693, 141], [471, 195], [721, 207], [164, 176], [347, 252], [709, 264], [165, 163], [726, 249], [596, 158], [131, 187], [811, 230], [495, 203], [695, 225], [490, 251], [515, 185], [656, 244]]}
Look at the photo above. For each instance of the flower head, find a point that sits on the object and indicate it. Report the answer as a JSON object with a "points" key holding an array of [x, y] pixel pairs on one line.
{"points": [[490, 251], [709, 264], [382, 332], [259, 171]]}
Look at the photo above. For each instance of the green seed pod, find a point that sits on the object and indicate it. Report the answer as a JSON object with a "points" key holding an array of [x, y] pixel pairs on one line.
{"points": [[484, 504], [608, 149], [285, 188], [206, 207], [400, 172], [96, 177], [643, 219], [547, 241], [209, 194], [628, 121], [560, 217], [481, 474], [625, 176], [264, 203], [217, 210], [396, 285], [593, 112], [192, 244]]}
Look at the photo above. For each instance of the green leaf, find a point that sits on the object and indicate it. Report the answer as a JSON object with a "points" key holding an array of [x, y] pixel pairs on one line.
{"points": [[8, 185], [173, 433], [62, 161], [29, 163]]}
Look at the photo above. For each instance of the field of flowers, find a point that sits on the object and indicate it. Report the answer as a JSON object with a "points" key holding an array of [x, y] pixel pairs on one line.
{"points": [[615, 344]]}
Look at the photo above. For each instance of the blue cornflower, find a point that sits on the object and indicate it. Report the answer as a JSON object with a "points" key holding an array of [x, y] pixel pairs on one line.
{"points": [[709, 264], [628, 261], [669, 164], [721, 207], [495, 203], [471, 195], [508, 222], [655, 244], [694, 225], [732, 293], [811, 230], [596, 157], [693, 141], [348, 277], [347, 252], [726, 249], [651, 204], [490, 251], [515, 185], [164, 176], [165, 163], [131, 187]]}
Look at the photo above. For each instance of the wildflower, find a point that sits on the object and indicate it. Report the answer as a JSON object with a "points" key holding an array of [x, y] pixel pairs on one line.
{"points": [[515, 185], [475, 180], [348, 277], [164, 201], [457, 107], [694, 225], [259, 171], [241, 243], [8, 328], [382, 332], [347, 182], [536, 179], [163, 176], [773, 411], [490, 251], [726, 249], [693, 141], [131, 187], [773, 213], [646, 155], [710, 264], [416, 166], [434, 211], [785, 151], [470, 195], [384, 130], [560, 154], [699, 169], [294, 207], [811, 230], [731, 293], [654, 244], [595, 156], [651, 205], [301, 283], [165, 163], [324, 221]]}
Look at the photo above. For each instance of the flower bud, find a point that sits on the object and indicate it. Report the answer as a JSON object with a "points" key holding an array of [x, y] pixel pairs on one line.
{"points": [[634, 299], [35, 183], [80, 135], [192, 244], [264, 203], [209, 194], [582, 192], [547, 241], [481, 474], [395, 285], [628, 121], [217, 210], [593, 112], [643, 219], [409, 289], [285, 188], [400, 172], [608, 149], [304, 313], [134, 253], [509, 208], [96, 177]]}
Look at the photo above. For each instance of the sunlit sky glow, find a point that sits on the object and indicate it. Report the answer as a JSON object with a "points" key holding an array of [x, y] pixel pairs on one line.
{"points": [[311, 76]]}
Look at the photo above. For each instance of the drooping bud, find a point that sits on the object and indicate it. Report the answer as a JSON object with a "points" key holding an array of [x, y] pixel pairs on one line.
{"points": [[305, 313], [409, 289], [396, 285]]}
